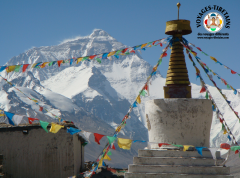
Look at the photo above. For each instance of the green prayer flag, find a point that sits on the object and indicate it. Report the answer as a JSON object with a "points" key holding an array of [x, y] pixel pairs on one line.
{"points": [[160, 61], [44, 125], [206, 96], [228, 86], [223, 127], [50, 63], [178, 145], [99, 60], [111, 139], [143, 93], [17, 68], [109, 153], [235, 148], [85, 58], [118, 52], [127, 53], [85, 143]]}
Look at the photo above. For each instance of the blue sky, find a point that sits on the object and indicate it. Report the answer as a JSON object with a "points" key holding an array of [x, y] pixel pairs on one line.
{"points": [[28, 23]]}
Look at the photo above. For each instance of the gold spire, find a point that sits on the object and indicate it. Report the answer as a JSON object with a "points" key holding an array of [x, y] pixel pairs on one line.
{"points": [[178, 5], [177, 81]]}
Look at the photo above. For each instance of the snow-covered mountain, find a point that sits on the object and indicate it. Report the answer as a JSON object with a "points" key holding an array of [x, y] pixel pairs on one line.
{"points": [[96, 96]]}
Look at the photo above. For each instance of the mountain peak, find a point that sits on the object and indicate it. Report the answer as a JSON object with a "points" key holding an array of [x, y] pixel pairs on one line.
{"points": [[99, 32]]}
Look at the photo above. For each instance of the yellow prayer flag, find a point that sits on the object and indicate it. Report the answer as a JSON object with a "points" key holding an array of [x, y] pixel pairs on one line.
{"points": [[198, 71], [118, 129], [55, 127], [214, 73], [2, 115], [124, 143], [186, 147], [139, 99], [143, 45], [79, 59], [213, 58], [150, 46], [107, 157], [225, 131], [10, 69], [111, 53], [100, 162], [232, 88], [33, 65], [44, 64]]}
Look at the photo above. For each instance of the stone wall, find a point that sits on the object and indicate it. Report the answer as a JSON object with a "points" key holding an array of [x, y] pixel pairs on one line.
{"points": [[30, 152]]}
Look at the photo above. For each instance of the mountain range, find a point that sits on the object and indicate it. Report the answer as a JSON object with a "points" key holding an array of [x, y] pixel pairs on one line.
{"points": [[96, 96]]}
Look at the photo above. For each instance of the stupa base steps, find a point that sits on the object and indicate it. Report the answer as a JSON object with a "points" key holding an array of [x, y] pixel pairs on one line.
{"points": [[176, 164]]}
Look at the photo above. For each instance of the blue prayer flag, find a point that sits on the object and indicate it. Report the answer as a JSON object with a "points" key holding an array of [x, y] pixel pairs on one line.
{"points": [[2, 68], [9, 116], [104, 56], [72, 130]]}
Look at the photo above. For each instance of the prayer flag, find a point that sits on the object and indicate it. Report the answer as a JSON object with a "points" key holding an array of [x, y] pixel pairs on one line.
{"points": [[134, 104], [233, 72], [139, 99], [40, 108], [30, 120], [105, 55], [98, 137], [143, 45], [44, 125], [213, 152], [186, 147], [199, 48], [59, 62], [213, 58], [124, 50], [2, 68], [100, 162], [55, 127], [199, 150], [86, 134], [79, 59], [111, 139], [17, 119], [124, 143], [113, 147], [109, 153], [161, 144], [206, 96], [139, 141], [9, 116], [225, 146], [93, 56], [203, 89], [72, 130], [235, 148], [71, 61], [17, 68], [10, 69], [107, 157]]}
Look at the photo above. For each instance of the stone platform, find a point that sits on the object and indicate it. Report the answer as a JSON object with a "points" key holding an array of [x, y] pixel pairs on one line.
{"points": [[176, 164]]}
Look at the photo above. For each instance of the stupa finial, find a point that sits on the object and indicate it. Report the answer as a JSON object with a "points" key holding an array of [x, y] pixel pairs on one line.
{"points": [[178, 5]]}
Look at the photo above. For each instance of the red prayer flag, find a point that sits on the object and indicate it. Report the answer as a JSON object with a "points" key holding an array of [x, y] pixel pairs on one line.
{"points": [[24, 67], [203, 90], [164, 54], [203, 63], [225, 146], [93, 56], [132, 51], [30, 120], [59, 62], [124, 50], [146, 87], [199, 48], [40, 108], [237, 151], [98, 137], [160, 44], [233, 72], [236, 113], [154, 42], [221, 120], [161, 144], [113, 147]]}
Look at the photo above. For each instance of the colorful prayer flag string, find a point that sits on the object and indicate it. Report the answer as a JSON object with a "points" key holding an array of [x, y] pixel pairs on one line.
{"points": [[213, 58], [206, 71], [97, 57]]}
